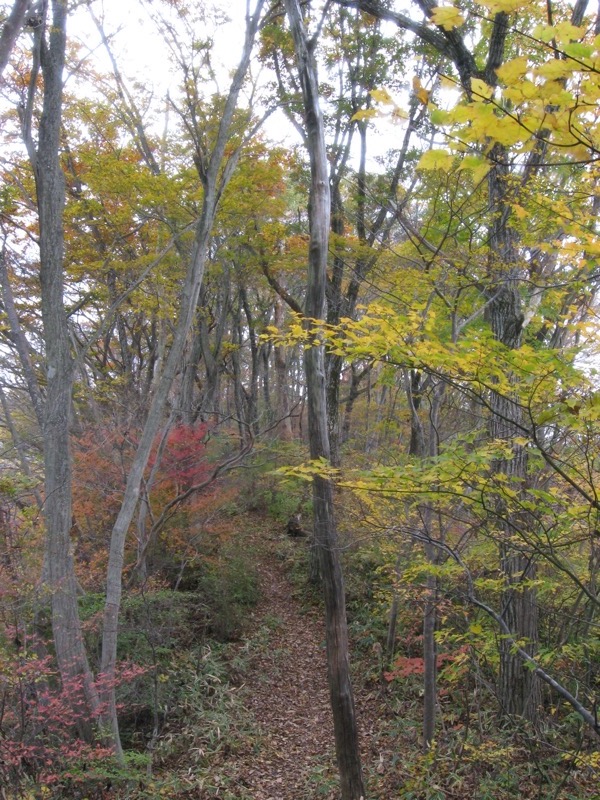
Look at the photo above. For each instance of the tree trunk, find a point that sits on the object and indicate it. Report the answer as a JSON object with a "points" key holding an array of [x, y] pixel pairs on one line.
{"points": [[188, 408], [423, 444], [50, 187], [342, 701], [283, 412], [430, 654], [10, 31], [210, 401], [519, 689]]}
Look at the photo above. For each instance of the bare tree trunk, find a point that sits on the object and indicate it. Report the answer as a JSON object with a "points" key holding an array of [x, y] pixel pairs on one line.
{"points": [[390, 642], [210, 401], [10, 31], [519, 689], [423, 444], [281, 378], [188, 408], [252, 393], [430, 651], [66, 627], [340, 688], [354, 392]]}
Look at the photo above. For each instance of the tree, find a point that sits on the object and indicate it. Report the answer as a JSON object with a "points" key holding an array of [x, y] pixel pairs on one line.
{"points": [[518, 689], [342, 703], [50, 189], [215, 168], [11, 29]]}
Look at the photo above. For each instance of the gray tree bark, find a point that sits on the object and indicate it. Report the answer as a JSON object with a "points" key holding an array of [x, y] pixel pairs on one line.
{"points": [[340, 687], [50, 187], [283, 412], [519, 689], [10, 31]]}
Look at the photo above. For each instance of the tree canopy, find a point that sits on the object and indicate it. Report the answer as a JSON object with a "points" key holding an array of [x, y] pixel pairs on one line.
{"points": [[351, 276]]}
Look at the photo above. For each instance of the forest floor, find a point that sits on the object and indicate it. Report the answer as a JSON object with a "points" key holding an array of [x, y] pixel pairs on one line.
{"points": [[277, 738], [285, 691], [285, 688]]}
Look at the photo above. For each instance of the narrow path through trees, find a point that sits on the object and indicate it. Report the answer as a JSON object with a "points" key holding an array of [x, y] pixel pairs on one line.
{"points": [[287, 697]]}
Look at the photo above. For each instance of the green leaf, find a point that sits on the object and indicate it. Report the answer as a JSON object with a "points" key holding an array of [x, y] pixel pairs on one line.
{"points": [[578, 50], [438, 116]]}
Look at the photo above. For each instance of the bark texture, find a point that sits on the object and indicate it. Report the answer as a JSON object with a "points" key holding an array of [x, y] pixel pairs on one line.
{"points": [[519, 690], [10, 31], [340, 688], [50, 187]]}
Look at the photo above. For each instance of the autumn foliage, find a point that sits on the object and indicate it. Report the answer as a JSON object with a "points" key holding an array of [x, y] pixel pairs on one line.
{"points": [[43, 721]]}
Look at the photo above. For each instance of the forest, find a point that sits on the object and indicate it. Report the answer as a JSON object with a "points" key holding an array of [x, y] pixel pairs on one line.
{"points": [[300, 400]]}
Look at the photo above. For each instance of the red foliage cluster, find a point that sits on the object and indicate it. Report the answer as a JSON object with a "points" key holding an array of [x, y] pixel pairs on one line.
{"points": [[40, 721], [102, 459], [184, 458], [404, 666]]}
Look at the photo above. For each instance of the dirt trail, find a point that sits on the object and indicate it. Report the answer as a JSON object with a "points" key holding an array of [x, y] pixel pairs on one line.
{"points": [[287, 696]]}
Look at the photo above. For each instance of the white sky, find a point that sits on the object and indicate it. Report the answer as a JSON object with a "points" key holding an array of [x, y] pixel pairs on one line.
{"points": [[143, 56], [138, 47]]}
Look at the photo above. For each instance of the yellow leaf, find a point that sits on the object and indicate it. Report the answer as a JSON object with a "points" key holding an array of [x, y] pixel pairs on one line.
{"points": [[506, 6], [366, 113], [480, 89], [567, 32], [447, 17], [520, 211], [480, 172], [513, 70], [556, 69], [421, 93], [507, 131], [436, 159], [382, 96], [545, 33], [447, 82], [523, 90], [478, 166], [470, 162]]}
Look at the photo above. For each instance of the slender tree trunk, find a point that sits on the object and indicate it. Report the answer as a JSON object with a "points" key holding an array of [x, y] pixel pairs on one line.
{"points": [[281, 379], [430, 652], [252, 393], [354, 391], [210, 402], [214, 180], [188, 408], [423, 444], [390, 642], [342, 701], [11, 29], [21, 344]]}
